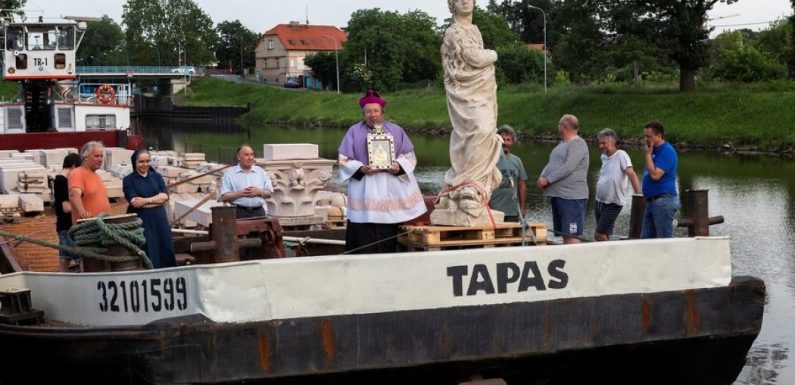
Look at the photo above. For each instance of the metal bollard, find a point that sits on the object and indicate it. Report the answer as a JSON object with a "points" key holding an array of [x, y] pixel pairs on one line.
{"points": [[696, 214], [636, 216]]}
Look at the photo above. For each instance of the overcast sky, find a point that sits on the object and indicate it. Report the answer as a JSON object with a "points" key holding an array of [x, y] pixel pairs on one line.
{"points": [[261, 15]]}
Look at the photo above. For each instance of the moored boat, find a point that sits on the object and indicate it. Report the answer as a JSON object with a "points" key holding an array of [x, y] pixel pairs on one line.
{"points": [[52, 109], [664, 311]]}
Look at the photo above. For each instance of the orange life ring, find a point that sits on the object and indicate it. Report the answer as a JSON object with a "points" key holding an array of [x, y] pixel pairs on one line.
{"points": [[106, 94]]}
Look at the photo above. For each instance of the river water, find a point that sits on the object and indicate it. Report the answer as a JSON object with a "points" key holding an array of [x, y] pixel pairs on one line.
{"points": [[754, 194]]}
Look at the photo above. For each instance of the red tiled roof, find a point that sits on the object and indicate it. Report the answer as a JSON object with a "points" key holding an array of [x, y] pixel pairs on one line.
{"points": [[308, 37]]}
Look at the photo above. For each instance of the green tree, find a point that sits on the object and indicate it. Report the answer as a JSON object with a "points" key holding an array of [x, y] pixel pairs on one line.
{"points": [[776, 41], [528, 22], [398, 48], [235, 46], [177, 31], [677, 26], [494, 28], [518, 64], [323, 65], [791, 58], [12, 7], [582, 50], [103, 43]]}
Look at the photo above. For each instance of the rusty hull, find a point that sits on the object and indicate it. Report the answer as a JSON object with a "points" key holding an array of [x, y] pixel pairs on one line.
{"points": [[684, 337]]}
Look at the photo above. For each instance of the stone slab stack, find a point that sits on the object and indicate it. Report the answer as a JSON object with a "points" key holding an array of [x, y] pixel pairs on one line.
{"points": [[191, 159]]}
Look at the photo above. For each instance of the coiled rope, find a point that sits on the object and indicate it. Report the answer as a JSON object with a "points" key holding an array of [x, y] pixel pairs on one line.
{"points": [[95, 236]]}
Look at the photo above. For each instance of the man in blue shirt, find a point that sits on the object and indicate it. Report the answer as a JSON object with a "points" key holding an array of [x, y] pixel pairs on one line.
{"points": [[246, 185], [659, 184]]}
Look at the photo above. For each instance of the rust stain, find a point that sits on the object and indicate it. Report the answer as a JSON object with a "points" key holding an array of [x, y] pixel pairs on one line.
{"points": [[264, 353], [692, 314], [327, 330], [645, 313]]}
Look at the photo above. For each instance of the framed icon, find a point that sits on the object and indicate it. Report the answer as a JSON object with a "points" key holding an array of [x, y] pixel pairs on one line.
{"points": [[380, 150]]}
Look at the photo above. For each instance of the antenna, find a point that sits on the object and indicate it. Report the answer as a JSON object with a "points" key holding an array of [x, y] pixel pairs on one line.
{"points": [[307, 13]]}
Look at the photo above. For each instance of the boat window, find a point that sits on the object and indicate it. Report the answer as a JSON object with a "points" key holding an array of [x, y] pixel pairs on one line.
{"points": [[14, 39], [100, 121], [42, 40], [22, 61], [60, 61], [66, 38]]}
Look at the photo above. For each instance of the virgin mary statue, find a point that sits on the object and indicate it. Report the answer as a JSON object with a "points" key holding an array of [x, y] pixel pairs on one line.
{"points": [[472, 104]]}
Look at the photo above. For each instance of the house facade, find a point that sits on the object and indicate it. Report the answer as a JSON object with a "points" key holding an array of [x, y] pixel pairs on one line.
{"points": [[281, 50]]}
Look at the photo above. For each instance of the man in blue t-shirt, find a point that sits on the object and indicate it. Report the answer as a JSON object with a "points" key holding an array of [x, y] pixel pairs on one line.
{"points": [[659, 184], [509, 197]]}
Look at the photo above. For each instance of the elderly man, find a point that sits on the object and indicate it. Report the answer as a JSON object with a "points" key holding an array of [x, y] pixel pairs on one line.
{"points": [[564, 181], [246, 185], [380, 196], [509, 197], [610, 188], [87, 195], [659, 184]]}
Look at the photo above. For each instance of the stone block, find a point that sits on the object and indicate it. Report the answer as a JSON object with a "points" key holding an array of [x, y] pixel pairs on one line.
{"points": [[6, 154], [30, 203], [170, 171], [121, 170], [9, 201], [9, 173], [286, 151], [202, 215], [115, 156]]}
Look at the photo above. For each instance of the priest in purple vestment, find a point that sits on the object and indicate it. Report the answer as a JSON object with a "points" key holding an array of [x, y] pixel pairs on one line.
{"points": [[379, 198]]}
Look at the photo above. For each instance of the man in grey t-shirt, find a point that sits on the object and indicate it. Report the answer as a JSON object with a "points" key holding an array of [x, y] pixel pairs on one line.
{"points": [[564, 181]]}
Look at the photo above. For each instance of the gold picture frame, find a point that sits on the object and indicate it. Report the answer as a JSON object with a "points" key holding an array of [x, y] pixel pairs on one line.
{"points": [[380, 150]]}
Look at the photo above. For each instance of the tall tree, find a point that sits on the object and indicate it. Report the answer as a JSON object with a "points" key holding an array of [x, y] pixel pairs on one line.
{"points": [[101, 43], [676, 25], [176, 31], [792, 48], [235, 46], [323, 66], [398, 48], [11, 7]]}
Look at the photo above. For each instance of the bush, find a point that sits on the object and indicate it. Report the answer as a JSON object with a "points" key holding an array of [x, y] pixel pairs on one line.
{"points": [[747, 64]]}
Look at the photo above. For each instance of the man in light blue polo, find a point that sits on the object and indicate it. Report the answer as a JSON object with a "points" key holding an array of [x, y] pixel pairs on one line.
{"points": [[246, 185], [659, 184]]}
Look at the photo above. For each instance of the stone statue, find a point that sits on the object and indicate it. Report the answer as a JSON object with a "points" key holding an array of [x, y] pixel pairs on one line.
{"points": [[472, 105]]}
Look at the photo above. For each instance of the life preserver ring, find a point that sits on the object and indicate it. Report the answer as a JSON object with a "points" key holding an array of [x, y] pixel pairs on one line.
{"points": [[106, 94]]}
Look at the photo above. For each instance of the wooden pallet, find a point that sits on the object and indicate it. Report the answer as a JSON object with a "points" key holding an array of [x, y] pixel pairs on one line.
{"points": [[449, 237]]}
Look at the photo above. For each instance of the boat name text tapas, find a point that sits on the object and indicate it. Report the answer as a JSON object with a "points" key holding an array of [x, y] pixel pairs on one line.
{"points": [[506, 275]]}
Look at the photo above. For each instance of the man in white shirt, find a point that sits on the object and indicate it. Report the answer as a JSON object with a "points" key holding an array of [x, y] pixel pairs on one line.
{"points": [[247, 185]]}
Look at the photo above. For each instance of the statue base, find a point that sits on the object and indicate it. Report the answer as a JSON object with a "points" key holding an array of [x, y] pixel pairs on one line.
{"points": [[443, 217]]}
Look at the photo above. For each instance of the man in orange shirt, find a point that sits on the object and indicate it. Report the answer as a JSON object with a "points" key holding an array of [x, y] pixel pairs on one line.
{"points": [[87, 194]]}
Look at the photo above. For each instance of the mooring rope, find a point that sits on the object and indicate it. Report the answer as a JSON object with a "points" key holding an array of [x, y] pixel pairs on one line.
{"points": [[94, 237]]}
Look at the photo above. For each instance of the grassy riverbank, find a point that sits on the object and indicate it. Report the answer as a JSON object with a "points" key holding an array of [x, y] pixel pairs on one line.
{"points": [[745, 117]]}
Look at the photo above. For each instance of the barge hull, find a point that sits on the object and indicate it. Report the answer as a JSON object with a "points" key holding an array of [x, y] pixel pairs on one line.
{"points": [[698, 336], [74, 139]]}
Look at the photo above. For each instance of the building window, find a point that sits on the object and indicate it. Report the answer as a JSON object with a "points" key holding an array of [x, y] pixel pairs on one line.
{"points": [[270, 44]]}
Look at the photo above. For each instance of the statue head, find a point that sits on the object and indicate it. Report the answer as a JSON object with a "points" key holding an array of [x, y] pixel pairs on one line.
{"points": [[451, 5]]}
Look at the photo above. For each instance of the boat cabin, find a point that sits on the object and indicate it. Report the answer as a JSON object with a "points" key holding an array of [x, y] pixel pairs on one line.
{"points": [[41, 50]]}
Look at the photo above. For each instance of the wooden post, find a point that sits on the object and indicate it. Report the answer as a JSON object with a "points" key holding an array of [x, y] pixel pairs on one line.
{"points": [[696, 214], [636, 216]]}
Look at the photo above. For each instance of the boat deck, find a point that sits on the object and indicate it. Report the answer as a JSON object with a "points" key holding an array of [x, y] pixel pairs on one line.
{"points": [[34, 257]]}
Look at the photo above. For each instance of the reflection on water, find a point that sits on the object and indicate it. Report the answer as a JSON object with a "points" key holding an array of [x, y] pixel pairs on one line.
{"points": [[755, 195]]}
